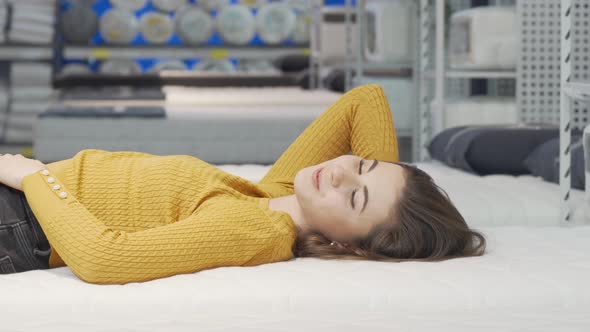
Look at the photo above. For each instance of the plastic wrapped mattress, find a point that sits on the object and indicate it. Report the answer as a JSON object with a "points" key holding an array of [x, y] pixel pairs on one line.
{"points": [[221, 125]]}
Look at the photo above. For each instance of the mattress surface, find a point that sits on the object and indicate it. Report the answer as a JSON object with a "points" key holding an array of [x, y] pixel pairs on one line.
{"points": [[498, 200], [530, 279]]}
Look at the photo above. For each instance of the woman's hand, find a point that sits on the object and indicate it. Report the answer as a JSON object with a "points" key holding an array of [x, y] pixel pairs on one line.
{"points": [[13, 168]]}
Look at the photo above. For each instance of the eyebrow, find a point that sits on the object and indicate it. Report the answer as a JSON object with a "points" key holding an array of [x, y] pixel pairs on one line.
{"points": [[375, 163]]}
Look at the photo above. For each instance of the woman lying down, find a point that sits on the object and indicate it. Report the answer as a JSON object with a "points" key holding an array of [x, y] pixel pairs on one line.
{"points": [[120, 217]]}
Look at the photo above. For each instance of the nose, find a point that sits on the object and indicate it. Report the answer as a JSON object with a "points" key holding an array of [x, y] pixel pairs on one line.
{"points": [[340, 176]]}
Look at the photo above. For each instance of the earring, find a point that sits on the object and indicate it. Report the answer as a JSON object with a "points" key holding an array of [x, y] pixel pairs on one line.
{"points": [[333, 242]]}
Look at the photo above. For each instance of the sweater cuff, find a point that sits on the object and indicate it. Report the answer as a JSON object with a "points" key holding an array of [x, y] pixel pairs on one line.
{"points": [[43, 190]]}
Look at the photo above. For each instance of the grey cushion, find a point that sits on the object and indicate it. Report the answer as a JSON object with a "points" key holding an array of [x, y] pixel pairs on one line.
{"points": [[490, 149], [438, 144], [544, 161]]}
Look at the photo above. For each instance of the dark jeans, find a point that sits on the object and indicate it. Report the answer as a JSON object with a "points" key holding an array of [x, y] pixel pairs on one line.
{"points": [[23, 245]]}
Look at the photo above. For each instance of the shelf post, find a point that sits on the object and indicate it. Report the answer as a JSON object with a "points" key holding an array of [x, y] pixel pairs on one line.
{"points": [[314, 45], [565, 112], [424, 100], [348, 23], [439, 87], [360, 47]]}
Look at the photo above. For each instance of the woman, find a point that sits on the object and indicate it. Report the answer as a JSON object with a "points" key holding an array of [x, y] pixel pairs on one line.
{"points": [[119, 217]]}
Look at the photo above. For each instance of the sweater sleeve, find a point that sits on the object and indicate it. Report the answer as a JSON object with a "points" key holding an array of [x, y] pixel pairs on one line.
{"points": [[221, 232], [359, 122]]}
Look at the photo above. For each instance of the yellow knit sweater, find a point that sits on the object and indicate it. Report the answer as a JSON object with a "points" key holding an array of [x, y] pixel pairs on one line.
{"points": [[119, 217]]}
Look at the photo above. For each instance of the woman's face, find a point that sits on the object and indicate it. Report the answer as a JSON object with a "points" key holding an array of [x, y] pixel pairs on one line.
{"points": [[354, 195]]}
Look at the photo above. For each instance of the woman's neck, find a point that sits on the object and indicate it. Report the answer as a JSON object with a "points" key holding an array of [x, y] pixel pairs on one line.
{"points": [[289, 205]]}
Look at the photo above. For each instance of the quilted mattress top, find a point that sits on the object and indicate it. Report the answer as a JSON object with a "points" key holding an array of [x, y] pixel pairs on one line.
{"points": [[530, 279]]}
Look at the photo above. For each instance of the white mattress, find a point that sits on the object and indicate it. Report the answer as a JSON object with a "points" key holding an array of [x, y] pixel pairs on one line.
{"points": [[232, 96], [498, 200], [530, 279], [480, 110], [484, 38]]}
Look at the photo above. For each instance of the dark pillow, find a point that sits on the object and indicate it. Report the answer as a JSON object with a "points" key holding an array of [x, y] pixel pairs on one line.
{"points": [[544, 162], [494, 149], [438, 144], [335, 80], [292, 63], [302, 79]]}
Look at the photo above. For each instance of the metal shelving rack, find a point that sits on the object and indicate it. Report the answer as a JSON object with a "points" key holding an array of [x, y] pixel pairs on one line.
{"points": [[538, 83], [569, 92], [552, 74], [105, 52], [12, 52], [432, 116], [316, 60], [172, 52], [182, 52], [354, 65], [475, 74], [361, 67]]}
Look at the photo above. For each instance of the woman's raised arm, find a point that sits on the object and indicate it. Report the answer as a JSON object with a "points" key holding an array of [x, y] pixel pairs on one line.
{"points": [[360, 121]]}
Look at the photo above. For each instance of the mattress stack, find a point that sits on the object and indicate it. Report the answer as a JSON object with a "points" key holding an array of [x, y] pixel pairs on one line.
{"points": [[484, 38], [480, 110], [3, 20], [33, 21], [219, 125], [30, 94], [3, 109]]}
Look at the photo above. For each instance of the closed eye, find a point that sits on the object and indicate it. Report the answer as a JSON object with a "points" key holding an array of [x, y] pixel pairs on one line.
{"points": [[365, 190], [355, 190]]}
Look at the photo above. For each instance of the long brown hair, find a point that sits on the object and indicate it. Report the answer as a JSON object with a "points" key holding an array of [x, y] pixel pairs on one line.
{"points": [[426, 226]]}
